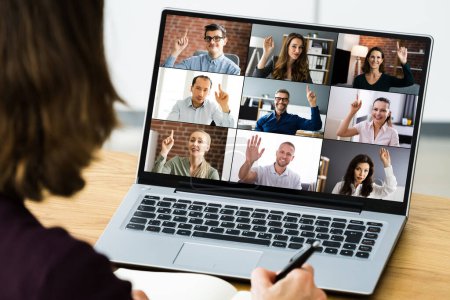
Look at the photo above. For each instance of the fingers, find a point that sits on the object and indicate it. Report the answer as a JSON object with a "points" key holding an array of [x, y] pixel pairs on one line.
{"points": [[262, 278], [186, 33], [307, 89], [171, 134], [357, 95], [220, 88], [138, 295], [398, 45]]}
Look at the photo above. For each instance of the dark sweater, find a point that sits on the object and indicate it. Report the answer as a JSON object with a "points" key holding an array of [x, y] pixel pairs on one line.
{"points": [[40, 263], [266, 72], [385, 82]]}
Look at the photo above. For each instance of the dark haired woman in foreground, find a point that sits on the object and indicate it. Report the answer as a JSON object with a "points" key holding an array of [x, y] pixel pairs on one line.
{"points": [[56, 110]]}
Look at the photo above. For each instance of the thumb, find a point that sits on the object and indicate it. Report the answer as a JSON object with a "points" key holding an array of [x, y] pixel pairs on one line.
{"points": [[307, 89]]}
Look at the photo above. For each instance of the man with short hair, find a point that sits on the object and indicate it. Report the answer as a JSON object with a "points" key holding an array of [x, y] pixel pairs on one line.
{"points": [[280, 121], [213, 61], [276, 174], [198, 109]]}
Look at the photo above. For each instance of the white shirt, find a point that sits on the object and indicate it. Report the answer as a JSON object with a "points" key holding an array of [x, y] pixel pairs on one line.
{"points": [[379, 191], [268, 176], [387, 135], [184, 111]]}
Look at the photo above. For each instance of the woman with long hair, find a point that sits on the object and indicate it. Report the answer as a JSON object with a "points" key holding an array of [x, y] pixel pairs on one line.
{"points": [[193, 166], [290, 64], [378, 130], [374, 78], [358, 179]]}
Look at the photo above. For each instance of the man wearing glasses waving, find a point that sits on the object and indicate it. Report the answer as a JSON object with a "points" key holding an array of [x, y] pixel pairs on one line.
{"points": [[280, 121], [213, 61]]}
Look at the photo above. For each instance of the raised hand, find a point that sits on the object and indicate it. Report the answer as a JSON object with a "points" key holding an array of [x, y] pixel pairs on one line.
{"points": [[167, 145], [268, 44], [385, 157], [311, 96], [356, 105], [402, 54], [180, 44], [252, 152], [222, 99]]}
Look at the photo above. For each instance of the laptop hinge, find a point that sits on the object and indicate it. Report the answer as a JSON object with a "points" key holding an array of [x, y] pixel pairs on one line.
{"points": [[255, 194]]}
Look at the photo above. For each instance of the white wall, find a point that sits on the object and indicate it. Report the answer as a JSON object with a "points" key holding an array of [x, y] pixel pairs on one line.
{"points": [[132, 28]]}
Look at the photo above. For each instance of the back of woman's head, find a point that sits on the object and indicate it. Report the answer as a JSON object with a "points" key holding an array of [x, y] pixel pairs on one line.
{"points": [[300, 70], [56, 97], [349, 176]]}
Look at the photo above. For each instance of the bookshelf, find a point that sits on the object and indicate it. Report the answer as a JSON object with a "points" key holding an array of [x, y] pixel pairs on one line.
{"points": [[319, 58]]}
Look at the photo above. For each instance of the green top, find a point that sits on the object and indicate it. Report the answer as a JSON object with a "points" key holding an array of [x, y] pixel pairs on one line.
{"points": [[179, 166]]}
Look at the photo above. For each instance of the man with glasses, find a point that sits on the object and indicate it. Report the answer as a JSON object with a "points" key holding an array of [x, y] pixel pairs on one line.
{"points": [[280, 121], [213, 61]]}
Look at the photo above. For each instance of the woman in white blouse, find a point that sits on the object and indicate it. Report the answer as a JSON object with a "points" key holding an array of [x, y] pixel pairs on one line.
{"points": [[377, 130], [358, 179]]}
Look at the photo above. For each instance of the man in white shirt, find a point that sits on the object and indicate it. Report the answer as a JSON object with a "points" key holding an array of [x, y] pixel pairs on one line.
{"points": [[198, 109], [276, 174]]}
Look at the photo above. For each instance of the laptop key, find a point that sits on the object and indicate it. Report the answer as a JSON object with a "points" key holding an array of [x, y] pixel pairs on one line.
{"points": [[145, 214], [308, 234], [211, 223], [319, 249], [299, 240], [274, 217], [295, 246], [263, 235], [227, 224], [195, 214], [246, 208], [242, 213], [179, 205], [259, 228], [365, 248], [200, 228], [323, 236], [154, 222], [323, 218], [309, 216], [248, 233], [164, 217], [231, 238], [375, 224], [243, 226], [338, 225], [336, 231], [331, 244], [226, 211], [291, 225], [306, 221], [196, 221], [293, 214], [164, 204], [152, 197], [184, 232], [279, 244], [292, 232], [259, 222], [148, 202], [280, 237], [261, 210], [275, 230], [340, 220], [184, 201], [349, 246], [370, 235], [357, 222], [135, 226], [352, 236], [227, 218], [331, 250], [368, 242], [180, 219], [346, 252], [322, 229], [211, 216], [373, 229], [169, 199], [179, 212], [210, 209], [153, 229], [199, 203], [164, 210], [215, 205], [231, 207], [307, 227], [146, 208], [356, 227], [322, 223], [169, 224], [275, 224], [196, 207], [290, 219], [217, 229], [258, 215], [338, 238], [185, 226], [232, 231], [362, 254], [243, 220], [168, 230]]}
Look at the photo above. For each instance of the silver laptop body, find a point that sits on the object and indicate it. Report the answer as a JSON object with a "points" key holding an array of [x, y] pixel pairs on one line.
{"points": [[358, 234]]}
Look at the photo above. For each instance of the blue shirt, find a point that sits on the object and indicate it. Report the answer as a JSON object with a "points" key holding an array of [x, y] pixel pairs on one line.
{"points": [[289, 123], [204, 62], [184, 111]]}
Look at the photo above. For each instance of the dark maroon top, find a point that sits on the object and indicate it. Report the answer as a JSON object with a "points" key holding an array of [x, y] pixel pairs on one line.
{"points": [[40, 263]]}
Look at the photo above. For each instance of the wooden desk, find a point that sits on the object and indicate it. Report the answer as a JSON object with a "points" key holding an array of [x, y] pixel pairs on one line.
{"points": [[419, 267]]}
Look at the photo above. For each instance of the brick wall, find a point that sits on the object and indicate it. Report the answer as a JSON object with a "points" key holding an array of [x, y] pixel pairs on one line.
{"points": [[389, 47], [182, 132], [238, 37]]}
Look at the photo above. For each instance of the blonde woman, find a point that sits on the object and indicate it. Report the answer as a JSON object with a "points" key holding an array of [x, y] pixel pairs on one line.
{"points": [[195, 165]]}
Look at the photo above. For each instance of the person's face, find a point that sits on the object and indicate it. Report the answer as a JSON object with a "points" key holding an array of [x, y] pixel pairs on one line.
{"points": [[361, 171], [200, 90], [281, 102], [380, 112], [198, 144], [295, 49], [284, 155], [375, 59], [215, 48]]}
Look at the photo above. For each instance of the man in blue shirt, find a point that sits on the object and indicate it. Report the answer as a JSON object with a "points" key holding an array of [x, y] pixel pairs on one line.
{"points": [[213, 61], [199, 109], [280, 121]]}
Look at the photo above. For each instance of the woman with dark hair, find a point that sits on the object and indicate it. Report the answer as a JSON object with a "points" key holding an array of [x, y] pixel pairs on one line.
{"points": [[374, 78], [358, 179], [290, 64], [195, 165], [378, 130], [56, 110]]}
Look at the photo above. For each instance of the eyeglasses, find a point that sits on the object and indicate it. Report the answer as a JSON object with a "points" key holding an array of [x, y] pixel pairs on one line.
{"points": [[281, 99], [216, 38]]}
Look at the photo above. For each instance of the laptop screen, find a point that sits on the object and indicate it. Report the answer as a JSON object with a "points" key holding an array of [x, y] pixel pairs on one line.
{"points": [[295, 110]]}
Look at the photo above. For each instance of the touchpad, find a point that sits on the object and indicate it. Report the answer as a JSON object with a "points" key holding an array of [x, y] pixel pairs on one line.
{"points": [[217, 258]]}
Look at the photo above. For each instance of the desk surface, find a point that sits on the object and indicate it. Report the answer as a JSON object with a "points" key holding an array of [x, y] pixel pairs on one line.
{"points": [[419, 267]]}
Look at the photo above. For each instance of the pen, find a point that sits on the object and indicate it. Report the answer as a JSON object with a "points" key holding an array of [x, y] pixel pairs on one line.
{"points": [[297, 260]]}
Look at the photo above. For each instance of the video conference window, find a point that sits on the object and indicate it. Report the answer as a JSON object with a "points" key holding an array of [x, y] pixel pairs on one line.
{"points": [[377, 63], [293, 54], [370, 117], [284, 107]]}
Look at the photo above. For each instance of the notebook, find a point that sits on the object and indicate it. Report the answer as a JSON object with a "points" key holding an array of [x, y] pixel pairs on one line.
{"points": [[262, 136]]}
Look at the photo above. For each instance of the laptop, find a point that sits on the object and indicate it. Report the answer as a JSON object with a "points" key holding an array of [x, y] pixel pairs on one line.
{"points": [[242, 166]]}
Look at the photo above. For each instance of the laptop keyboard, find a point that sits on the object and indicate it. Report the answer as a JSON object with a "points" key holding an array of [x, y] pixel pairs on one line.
{"points": [[274, 228]]}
